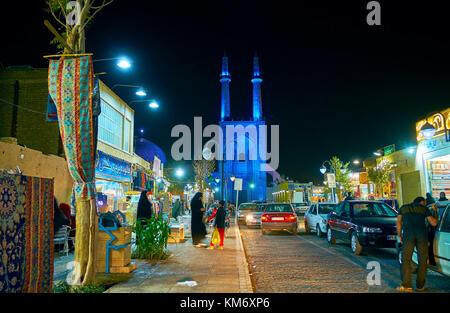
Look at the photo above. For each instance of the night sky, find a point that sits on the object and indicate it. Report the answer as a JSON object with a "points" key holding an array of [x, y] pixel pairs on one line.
{"points": [[335, 85]]}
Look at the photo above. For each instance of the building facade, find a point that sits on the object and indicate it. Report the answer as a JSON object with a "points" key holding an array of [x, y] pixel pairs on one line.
{"points": [[247, 143]]}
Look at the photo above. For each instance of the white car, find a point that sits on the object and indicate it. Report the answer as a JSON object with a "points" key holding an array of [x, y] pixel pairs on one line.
{"points": [[316, 217]]}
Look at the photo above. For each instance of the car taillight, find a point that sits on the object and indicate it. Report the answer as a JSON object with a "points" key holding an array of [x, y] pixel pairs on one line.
{"points": [[264, 218], [291, 217]]}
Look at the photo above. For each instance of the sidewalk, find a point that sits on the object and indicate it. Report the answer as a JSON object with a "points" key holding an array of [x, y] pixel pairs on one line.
{"points": [[214, 271]]}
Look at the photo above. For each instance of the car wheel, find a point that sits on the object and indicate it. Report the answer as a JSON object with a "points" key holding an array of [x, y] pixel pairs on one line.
{"points": [[330, 238], [307, 228], [318, 231], [356, 247]]}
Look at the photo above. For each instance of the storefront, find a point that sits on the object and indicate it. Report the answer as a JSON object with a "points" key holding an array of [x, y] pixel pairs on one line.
{"points": [[435, 154], [113, 179]]}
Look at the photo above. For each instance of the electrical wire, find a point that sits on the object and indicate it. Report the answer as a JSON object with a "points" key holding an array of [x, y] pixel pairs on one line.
{"points": [[21, 107]]}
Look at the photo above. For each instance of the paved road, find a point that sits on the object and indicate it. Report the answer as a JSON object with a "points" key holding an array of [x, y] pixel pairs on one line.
{"points": [[281, 262]]}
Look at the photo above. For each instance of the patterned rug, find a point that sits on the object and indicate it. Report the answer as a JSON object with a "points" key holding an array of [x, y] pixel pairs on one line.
{"points": [[26, 234]]}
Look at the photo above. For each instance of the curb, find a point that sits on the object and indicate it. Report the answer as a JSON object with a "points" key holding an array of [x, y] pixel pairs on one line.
{"points": [[245, 283]]}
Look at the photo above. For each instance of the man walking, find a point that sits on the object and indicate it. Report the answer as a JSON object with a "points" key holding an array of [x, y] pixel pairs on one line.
{"points": [[411, 220]]}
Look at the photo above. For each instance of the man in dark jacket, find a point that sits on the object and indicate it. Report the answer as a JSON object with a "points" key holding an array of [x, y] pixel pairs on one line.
{"points": [[219, 223], [411, 220]]}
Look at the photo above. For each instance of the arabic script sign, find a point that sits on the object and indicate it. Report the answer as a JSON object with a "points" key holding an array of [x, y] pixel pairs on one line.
{"points": [[109, 167]]}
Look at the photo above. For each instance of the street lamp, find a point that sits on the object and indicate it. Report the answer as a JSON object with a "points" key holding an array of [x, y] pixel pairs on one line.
{"points": [[179, 172], [356, 162], [140, 90], [152, 104], [323, 170], [232, 178], [123, 62], [252, 186], [428, 131]]}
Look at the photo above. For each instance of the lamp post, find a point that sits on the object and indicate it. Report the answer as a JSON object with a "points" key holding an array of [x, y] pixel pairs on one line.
{"points": [[427, 131], [323, 170], [152, 103], [140, 90], [123, 62]]}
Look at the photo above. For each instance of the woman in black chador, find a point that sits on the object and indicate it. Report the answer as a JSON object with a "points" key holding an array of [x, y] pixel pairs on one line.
{"points": [[198, 229], [144, 208]]}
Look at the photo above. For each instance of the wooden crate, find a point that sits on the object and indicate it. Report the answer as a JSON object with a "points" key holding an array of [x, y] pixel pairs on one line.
{"points": [[119, 260], [177, 234]]}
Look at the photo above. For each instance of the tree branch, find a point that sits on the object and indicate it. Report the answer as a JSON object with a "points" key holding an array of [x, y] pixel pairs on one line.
{"points": [[96, 11], [57, 19]]}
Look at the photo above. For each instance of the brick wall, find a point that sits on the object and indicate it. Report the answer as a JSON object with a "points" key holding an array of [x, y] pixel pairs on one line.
{"points": [[32, 130]]}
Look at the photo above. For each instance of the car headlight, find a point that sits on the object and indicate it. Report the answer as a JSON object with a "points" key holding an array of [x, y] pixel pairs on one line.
{"points": [[371, 229], [249, 217]]}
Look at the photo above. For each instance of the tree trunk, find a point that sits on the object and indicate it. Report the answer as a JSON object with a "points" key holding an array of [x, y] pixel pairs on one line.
{"points": [[85, 241]]}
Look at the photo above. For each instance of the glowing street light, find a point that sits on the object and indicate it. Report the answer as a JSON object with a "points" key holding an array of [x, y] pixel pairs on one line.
{"points": [[123, 63], [179, 172], [323, 169], [232, 178], [153, 104], [141, 93], [356, 162], [252, 186]]}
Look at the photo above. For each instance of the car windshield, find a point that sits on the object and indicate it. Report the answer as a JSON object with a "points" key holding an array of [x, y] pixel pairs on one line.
{"points": [[250, 207], [372, 209], [281, 208], [297, 205], [326, 208]]}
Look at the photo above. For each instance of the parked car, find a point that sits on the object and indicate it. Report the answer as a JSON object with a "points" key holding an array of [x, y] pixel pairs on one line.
{"points": [[363, 223], [300, 209], [316, 217], [279, 216], [441, 243], [248, 208]]}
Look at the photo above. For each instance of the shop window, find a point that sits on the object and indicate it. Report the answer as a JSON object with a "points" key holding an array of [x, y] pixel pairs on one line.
{"points": [[439, 175]]}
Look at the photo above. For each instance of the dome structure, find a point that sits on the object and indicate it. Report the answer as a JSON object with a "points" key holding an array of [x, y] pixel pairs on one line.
{"points": [[147, 150]]}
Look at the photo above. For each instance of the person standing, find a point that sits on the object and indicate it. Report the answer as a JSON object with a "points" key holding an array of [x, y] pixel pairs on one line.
{"points": [[176, 209], [412, 233], [219, 223], [144, 207], [198, 228]]}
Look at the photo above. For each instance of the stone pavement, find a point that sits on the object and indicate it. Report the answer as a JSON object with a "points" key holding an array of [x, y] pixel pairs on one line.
{"points": [[214, 271]]}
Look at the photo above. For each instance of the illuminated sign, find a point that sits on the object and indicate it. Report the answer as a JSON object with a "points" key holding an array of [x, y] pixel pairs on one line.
{"points": [[440, 121]]}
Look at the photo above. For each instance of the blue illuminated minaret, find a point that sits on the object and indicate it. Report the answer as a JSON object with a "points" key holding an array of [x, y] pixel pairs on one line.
{"points": [[225, 79], [256, 81]]}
